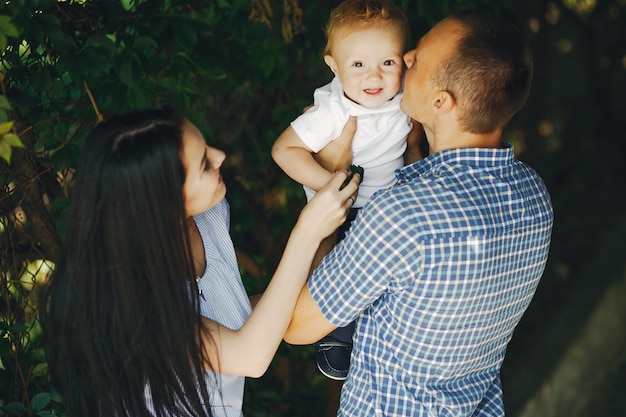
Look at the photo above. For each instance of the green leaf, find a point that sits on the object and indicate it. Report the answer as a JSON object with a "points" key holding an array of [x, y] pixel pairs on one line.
{"points": [[61, 41], [132, 71], [4, 103], [15, 408], [145, 44], [18, 328], [186, 36], [102, 42], [34, 34], [126, 73], [169, 83], [13, 140], [5, 151], [5, 346], [39, 402], [48, 21], [55, 395], [40, 369], [6, 127], [95, 64], [7, 28]]}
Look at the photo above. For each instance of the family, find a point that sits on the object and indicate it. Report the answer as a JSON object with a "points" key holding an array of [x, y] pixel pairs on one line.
{"points": [[409, 278]]}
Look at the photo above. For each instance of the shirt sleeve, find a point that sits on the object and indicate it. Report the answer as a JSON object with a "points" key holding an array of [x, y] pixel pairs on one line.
{"points": [[369, 263], [323, 122]]}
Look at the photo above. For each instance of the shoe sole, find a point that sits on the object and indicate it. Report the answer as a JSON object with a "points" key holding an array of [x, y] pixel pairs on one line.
{"points": [[329, 376]]}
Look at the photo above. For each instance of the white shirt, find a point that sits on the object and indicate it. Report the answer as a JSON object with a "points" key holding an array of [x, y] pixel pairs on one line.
{"points": [[378, 145]]}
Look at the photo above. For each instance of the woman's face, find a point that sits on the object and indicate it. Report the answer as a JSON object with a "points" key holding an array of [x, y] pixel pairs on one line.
{"points": [[203, 187]]}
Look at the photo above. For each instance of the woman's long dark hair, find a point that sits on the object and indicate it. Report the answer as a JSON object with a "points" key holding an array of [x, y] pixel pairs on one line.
{"points": [[119, 314]]}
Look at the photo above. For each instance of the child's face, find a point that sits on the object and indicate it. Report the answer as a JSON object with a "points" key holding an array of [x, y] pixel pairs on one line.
{"points": [[369, 64]]}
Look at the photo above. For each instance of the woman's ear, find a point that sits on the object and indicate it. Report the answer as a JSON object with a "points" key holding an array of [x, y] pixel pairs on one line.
{"points": [[329, 60]]}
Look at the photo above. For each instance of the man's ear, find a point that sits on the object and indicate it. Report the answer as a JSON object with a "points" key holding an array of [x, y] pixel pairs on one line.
{"points": [[331, 64], [443, 102]]}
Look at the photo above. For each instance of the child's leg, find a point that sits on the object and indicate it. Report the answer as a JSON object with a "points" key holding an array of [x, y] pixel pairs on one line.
{"points": [[333, 351]]}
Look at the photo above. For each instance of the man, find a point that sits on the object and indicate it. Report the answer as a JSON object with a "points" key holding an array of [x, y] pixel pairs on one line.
{"points": [[438, 270]]}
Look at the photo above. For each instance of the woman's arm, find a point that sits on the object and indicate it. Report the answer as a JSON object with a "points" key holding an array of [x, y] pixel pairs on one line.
{"points": [[249, 350]]}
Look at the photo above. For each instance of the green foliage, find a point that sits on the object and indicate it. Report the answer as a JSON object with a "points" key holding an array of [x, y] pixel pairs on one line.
{"points": [[8, 140], [64, 66]]}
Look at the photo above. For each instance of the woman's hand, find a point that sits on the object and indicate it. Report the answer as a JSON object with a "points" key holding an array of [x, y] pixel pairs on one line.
{"points": [[328, 209]]}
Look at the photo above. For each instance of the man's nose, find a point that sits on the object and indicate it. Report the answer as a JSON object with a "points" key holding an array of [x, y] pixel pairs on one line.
{"points": [[409, 58]]}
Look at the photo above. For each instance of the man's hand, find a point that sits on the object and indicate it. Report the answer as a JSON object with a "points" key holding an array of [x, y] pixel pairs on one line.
{"points": [[337, 155]]}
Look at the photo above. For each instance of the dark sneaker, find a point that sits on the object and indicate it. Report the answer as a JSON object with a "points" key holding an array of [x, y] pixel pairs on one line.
{"points": [[333, 358]]}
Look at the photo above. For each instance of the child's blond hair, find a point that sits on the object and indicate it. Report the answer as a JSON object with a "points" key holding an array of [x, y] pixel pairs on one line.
{"points": [[354, 15]]}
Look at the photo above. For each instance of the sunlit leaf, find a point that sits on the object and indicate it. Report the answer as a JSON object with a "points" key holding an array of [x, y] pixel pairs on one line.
{"points": [[5, 127], [13, 140]]}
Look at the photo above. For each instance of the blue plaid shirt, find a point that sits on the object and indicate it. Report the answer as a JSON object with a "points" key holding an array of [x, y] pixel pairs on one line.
{"points": [[437, 271]]}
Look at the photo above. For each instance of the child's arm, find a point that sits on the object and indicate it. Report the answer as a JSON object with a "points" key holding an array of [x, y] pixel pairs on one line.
{"points": [[296, 159], [413, 153]]}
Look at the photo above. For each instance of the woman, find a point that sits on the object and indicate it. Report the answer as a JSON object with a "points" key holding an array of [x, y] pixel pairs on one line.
{"points": [[147, 247]]}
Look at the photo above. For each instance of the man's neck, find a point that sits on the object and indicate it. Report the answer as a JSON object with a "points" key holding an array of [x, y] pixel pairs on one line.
{"points": [[453, 140]]}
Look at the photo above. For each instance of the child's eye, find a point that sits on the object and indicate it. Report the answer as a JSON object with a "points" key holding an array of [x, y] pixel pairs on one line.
{"points": [[389, 62], [358, 64]]}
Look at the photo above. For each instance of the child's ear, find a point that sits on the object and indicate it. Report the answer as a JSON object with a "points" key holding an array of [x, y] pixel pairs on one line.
{"points": [[331, 63]]}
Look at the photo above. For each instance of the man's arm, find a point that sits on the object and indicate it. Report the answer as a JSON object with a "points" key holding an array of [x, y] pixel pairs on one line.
{"points": [[308, 324]]}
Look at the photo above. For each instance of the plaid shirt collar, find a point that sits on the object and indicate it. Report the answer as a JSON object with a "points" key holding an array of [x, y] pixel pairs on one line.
{"points": [[479, 157]]}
